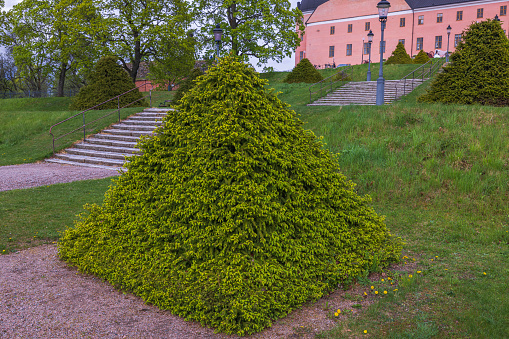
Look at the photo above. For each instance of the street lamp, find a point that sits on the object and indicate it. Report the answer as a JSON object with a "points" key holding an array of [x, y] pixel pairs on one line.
{"points": [[218, 33], [383, 11], [496, 17], [370, 40], [449, 29]]}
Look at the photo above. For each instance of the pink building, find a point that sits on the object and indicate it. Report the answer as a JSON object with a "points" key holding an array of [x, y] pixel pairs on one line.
{"points": [[336, 30]]}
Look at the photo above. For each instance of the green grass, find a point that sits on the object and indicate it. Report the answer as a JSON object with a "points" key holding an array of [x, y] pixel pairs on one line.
{"points": [[440, 175], [25, 125]]}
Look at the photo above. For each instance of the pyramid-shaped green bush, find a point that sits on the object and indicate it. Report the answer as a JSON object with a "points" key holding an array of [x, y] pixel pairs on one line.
{"points": [[399, 56], [106, 81], [304, 72], [421, 57], [478, 71], [234, 215]]}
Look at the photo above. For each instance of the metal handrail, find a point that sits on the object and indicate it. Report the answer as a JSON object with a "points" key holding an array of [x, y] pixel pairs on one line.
{"points": [[424, 71], [84, 125], [322, 82]]}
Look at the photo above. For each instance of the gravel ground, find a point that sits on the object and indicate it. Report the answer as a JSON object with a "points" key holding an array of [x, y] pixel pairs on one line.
{"points": [[45, 173]]}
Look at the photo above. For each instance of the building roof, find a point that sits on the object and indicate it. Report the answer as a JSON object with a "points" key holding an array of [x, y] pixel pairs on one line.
{"points": [[310, 5], [431, 3]]}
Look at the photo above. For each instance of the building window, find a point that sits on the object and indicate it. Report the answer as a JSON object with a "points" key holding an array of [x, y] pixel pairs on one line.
{"points": [[301, 37], [349, 49], [440, 17], [419, 44], [459, 15], [480, 13], [349, 28], [301, 55], [402, 41], [420, 20], [438, 42], [331, 51], [332, 30], [457, 39], [503, 10], [402, 22], [366, 48], [367, 26], [382, 47]]}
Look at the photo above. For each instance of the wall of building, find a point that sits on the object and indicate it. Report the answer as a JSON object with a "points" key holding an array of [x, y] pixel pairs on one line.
{"points": [[319, 38]]}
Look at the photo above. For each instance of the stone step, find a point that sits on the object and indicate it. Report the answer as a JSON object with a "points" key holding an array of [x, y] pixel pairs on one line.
{"points": [[97, 154], [106, 148], [84, 160], [113, 142], [113, 137], [142, 122], [123, 126], [74, 162], [126, 132]]}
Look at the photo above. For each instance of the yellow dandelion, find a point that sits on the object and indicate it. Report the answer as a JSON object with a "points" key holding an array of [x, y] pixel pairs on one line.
{"points": [[365, 293], [447, 269], [339, 311], [336, 314], [410, 276], [383, 280], [365, 331], [372, 287], [436, 256], [395, 290], [385, 292], [376, 292], [484, 273], [389, 278], [418, 271]]}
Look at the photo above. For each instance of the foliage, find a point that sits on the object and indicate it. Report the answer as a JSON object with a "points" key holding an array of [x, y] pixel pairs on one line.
{"points": [[261, 29], [421, 57], [187, 84], [234, 215], [399, 56], [138, 31], [304, 72], [107, 81], [479, 69]]}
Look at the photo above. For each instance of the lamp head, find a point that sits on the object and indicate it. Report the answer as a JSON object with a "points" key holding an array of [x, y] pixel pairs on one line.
{"points": [[218, 33], [370, 36], [383, 9], [449, 29]]}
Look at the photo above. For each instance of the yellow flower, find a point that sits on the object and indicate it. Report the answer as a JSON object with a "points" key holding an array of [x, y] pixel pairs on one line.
{"points": [[383, 280], [410, 276], [365, 331], [389, 278], [385, 292], [339, 311], [418, 271], [395, 290], [365, 293], [484, 273], [376, 292], [372, 287], [336, 314]]}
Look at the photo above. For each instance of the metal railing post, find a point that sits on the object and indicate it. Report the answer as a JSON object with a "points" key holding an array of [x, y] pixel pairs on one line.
{"points": [[150, 94], [84, 133], [118, 107]]}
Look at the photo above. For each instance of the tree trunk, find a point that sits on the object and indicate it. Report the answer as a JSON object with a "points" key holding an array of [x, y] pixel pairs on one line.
{"points": [[61, 79]]}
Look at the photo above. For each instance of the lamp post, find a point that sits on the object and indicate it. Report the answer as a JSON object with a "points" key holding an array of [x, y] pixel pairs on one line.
{"points": [[449, 29], [383, 11], [496, 17], [370, 40], [218, 33]]}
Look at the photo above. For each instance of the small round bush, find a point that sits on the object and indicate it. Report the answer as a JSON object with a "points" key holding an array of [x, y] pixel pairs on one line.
{"points": [[234, 215], [304, 72], [399, 56], [421, 57], [106, 81]]}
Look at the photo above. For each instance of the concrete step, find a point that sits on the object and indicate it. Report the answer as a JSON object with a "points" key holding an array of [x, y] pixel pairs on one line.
{"points": [[97, 154], [106, 148], [123, 126], [84, 160], [112, 142]]}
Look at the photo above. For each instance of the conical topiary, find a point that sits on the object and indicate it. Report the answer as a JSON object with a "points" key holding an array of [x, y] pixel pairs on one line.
{"points": [[478, 71], [304, 72], [234, 215], [187, 84], [421, 57], [106, 81], [399, 56]]}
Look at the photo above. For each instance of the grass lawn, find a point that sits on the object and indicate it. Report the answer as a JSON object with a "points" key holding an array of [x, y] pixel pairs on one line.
{"points": [[440, 175]]}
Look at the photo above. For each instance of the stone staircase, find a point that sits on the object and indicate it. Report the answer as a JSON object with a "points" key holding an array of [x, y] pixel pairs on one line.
{"points": [[364, 93], [109, 148]]}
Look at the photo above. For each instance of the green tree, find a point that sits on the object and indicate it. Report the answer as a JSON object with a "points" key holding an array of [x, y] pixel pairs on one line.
{"points": [[304, 72], [107, 80], [421, 57], [187, 84], [234, 215], [399, 56], [478, 71], [138, 30], [265, 30]]}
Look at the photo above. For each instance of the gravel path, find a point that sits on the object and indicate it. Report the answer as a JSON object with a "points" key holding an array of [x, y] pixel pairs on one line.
{"points": [[45, 173]]}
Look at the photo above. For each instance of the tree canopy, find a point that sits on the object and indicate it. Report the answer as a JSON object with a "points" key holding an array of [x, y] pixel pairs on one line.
{"points": [[265, 30]]}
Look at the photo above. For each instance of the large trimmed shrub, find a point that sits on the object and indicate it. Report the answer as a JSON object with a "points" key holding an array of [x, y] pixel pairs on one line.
{"points": [[304, 72], [187, 84], [106, 81], [421, 57], [478, 71], [234, 215], [399, 56]]}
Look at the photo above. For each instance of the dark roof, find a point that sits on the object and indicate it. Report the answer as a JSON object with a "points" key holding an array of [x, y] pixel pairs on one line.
{"points": [[430, 3], [310, 5]]}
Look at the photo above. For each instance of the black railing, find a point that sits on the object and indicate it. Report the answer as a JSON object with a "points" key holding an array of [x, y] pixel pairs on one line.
{"points": [[82, 114], [408, 83], [329, 84]]}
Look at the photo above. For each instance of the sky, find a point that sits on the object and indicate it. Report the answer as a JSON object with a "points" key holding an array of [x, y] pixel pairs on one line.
{"points": [[286, 64]]}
